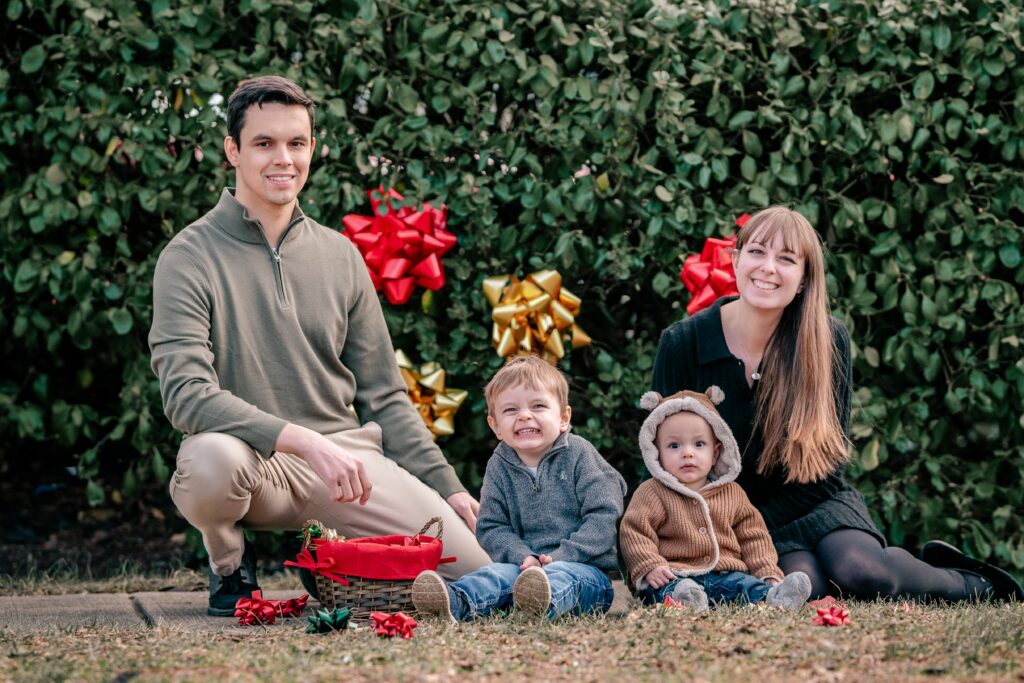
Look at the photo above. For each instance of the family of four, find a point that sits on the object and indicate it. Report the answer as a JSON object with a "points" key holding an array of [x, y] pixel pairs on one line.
{"points": [[266, 327]]}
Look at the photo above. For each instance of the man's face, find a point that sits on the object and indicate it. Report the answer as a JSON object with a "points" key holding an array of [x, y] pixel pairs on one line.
{"points": [[272, 156]]}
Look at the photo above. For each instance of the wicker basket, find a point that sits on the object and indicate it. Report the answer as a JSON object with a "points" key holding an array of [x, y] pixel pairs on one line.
{"points": [[364, 596]]}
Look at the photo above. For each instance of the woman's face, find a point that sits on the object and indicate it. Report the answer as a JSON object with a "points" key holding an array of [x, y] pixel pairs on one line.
{"points": [[768, 275]]}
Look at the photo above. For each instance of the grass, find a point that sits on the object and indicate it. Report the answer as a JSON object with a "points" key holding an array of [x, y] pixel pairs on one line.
{"points": [[886, 641]]}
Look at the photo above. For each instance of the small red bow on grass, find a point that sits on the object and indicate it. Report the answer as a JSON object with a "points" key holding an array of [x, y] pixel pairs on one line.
{"points": [[256, 610], [391, 625], [672, 602], [833, 615]]}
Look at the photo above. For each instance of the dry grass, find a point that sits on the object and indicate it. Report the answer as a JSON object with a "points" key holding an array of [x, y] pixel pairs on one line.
{"points": [[885, 642], [62, 580]]}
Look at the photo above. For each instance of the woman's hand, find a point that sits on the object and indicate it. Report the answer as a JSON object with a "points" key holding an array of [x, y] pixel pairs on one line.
{"points": [[659, 576]]}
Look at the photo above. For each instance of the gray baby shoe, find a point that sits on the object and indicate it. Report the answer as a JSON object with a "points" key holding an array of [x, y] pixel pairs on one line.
{"points": [[792, 592], [690, 593]]}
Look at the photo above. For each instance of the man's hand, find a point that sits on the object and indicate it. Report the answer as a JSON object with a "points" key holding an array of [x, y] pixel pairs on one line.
{"points": [[344, 475], [466, 506], [659, 576]]}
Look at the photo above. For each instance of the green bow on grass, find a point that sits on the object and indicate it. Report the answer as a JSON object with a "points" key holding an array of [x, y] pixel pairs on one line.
{"points": [[328, 621]]}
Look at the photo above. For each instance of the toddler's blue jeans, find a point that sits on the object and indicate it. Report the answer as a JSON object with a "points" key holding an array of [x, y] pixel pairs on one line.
{"points": [[576, 588], [719, 586]]}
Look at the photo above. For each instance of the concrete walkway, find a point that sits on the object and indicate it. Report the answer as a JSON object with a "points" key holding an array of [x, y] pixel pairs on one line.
{"points": [[168, 610]]}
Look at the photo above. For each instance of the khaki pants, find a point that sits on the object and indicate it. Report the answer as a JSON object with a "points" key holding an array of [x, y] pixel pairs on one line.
{"points": [[221, 485]]}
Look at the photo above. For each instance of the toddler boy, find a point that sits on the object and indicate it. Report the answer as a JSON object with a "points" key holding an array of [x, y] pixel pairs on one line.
{"points": [[548, 509], [690, 532]]}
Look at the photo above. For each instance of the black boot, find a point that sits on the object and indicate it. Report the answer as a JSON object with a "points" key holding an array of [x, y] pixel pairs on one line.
{"points": [[1003, 586], [226, 590]]}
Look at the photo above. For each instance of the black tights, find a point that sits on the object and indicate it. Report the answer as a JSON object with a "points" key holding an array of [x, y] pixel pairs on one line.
{"points": [[854, 564]]}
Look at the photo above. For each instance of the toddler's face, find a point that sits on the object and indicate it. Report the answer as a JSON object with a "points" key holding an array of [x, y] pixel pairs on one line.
{"points": [[529, 420], [687, 448]]}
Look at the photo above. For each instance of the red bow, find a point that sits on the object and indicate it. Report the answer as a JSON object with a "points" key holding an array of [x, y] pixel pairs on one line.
{"points": [[391, 625], [672, 602], [402, 247], [256, 610], [833, 615], [710, 274]]}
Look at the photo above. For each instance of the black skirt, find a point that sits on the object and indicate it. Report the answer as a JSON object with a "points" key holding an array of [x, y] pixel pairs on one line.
{"points": [[844, 510]]}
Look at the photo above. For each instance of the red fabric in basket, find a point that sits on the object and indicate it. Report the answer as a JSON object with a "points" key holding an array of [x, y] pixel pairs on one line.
{"points": [[378, 557]]}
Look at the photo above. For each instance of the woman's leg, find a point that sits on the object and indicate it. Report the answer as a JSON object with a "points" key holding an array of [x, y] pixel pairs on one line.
{"points": [[805, 561], [858, 565]]}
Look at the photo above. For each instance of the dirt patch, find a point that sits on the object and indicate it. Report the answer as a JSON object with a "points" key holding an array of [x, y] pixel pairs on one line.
{"points": [[47, 525]]}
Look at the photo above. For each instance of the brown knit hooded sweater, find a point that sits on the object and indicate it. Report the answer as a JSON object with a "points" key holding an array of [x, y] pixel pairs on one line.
{"points": [[691, 532]]}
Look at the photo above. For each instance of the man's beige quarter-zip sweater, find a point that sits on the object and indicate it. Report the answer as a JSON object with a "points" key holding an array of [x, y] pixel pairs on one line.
{"points": [[247, 338]]}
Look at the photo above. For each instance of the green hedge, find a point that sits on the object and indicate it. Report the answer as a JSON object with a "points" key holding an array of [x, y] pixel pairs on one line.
{"points": [[896, 127]]}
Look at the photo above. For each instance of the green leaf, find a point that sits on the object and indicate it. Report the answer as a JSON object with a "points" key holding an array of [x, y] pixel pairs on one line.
{"points": [[122, 321], [748, 169], [741, 118], [1009, 254], [663, 194], [407, 98], [924, 84], [995, 66], [435, 33], [94, 494], [55, 175], [33, 59], [26, 276], [941, 36], [661, 283], [905, 127]]}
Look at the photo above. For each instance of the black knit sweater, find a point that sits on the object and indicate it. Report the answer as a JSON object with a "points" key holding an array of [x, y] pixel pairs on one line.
{"points": [[693, 355]]}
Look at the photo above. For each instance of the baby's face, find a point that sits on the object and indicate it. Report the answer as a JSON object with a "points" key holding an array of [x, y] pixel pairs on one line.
{"points": [[687, 448]]}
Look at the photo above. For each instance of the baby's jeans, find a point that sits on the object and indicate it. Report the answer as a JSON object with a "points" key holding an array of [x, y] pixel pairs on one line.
{"points": [[576, 588], [720, 587]]}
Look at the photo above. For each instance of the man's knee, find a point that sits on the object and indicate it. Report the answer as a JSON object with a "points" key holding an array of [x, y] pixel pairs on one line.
{"points": [[211, 466]]}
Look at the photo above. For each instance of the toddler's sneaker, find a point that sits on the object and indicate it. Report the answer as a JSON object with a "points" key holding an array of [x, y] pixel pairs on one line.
{"points": [[791, 592], [430, 597], [691, 594], [531, 593]]}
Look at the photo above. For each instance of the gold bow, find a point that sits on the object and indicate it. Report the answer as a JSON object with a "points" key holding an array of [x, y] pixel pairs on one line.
{"points": [[533, 315], [435, 404]]}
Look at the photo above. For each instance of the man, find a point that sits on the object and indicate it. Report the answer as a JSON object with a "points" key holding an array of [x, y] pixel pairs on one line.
{"points": [[265, 327]]}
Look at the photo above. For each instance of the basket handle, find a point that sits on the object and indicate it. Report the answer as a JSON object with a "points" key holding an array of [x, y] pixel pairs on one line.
{"points": [[430, 523]]}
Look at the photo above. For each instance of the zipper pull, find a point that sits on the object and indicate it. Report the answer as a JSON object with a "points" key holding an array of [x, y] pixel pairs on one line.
{"points": [[277, 255]]}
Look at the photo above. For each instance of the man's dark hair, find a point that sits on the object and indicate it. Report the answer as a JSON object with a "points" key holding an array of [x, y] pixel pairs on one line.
{"points": [[263, 90]]}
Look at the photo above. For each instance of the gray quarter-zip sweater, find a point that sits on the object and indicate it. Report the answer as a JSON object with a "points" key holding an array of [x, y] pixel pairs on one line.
{"points": [[569, 511], [247, 338]]}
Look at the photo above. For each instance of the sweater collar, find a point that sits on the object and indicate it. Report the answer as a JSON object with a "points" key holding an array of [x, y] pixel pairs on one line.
{"points": [[711, 344], [507, 453], [231, 216]]}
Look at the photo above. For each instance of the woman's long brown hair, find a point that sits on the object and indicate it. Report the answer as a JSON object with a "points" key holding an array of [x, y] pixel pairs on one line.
{"points": [[796, 399]]}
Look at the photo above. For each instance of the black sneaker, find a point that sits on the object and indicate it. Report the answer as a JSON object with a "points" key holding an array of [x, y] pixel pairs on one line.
{"points": [[1004, 586], [226, 590]]}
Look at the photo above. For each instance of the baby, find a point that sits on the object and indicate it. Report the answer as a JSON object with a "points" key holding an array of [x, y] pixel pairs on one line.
{"points": [[690, 532]]}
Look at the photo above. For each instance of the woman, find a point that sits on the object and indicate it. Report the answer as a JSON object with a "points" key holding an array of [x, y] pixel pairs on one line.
{"points": [[784, 365]]}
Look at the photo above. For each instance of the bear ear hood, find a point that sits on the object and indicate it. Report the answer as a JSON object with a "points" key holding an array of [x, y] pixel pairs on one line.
{"points": [[728, 466]]}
